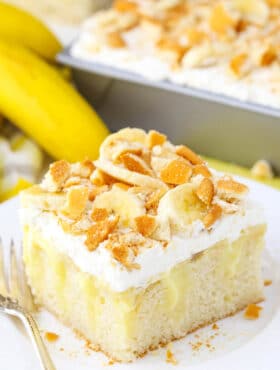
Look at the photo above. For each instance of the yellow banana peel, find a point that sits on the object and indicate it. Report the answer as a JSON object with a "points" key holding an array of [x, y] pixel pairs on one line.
{"points": [[17, 25], [19, 186], [38, 100]]}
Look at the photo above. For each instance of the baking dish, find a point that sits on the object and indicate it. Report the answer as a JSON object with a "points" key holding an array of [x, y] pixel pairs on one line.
{"points": [[212, 124]]}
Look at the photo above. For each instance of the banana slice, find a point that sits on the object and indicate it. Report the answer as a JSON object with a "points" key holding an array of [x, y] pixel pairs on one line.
{"points": [[42, 199], [129, 177], [125, 139], [181, 206], [256, 11], [126, 205]]}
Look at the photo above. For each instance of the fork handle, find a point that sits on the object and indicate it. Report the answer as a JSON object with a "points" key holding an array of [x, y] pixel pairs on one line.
{"points": [[37, 341]]}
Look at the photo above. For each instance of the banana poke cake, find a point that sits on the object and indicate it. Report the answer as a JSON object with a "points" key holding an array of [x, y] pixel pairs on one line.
{"points": [[228, 47], [141, 246]]}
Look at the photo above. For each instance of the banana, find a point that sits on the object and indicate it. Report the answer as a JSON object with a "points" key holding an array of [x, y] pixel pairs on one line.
{"points": [[13, 190], [126, 205], [41, 199], [255, 10], [181, 206], [38, 100], [19, 26], [127, 138], [129, 177]]}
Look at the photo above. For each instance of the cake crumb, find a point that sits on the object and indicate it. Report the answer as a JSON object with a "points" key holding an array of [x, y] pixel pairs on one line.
{"points": [[51, 337], [90, 346], [109, 363], [170, 358], [252, 312], [205, 341], [267, 282], [196, 346]]}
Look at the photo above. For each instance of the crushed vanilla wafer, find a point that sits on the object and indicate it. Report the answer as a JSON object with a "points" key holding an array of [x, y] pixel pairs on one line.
{"points": [[212, 216], [235, 41], [252, 312], [176, 172], [51, 337], [205, 191], [140, 191], [145, 224], [170, 358]]}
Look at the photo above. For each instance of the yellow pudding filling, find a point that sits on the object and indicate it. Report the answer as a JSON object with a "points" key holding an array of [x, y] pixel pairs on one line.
{"points": [[119, 323]]}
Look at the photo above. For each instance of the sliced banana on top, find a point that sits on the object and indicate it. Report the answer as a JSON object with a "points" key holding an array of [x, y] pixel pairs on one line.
{"points": [[125, 139], [122, 203], [41, 199], [256, 11], [128, 176], [181, 206]]}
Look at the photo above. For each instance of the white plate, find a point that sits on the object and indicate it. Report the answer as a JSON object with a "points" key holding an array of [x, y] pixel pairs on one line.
{"points": [[237, 344]]}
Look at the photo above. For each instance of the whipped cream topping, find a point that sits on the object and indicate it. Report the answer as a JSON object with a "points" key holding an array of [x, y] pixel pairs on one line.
{"points": [[143, 200], [181, 247], [262, 86], [208, 58]]}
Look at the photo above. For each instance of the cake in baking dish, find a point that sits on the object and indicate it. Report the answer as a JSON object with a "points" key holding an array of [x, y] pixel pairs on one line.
{"points": [[229, 47], [142, 246], [70, 12]]}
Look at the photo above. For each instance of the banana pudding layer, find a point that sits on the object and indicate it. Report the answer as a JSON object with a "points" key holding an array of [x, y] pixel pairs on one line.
{"points": [[181, 246], [204, 44], [146, 225]]}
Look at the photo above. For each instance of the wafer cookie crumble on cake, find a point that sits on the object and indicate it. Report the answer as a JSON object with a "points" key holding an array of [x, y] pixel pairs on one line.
{"points": [[143, 245], [228, 47]]}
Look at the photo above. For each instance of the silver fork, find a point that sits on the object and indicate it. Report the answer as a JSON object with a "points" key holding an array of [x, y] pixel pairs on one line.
{"points": [[16, 300]]}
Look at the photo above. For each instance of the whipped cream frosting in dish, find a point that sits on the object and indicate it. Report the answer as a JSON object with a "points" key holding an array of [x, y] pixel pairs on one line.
{"points": [[223, 46], [144, 206]]}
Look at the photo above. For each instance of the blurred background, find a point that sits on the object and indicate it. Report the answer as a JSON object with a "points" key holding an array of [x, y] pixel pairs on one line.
{"points": [[54, 105]]}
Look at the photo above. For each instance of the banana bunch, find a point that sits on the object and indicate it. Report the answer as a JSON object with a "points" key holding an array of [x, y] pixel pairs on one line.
{"points": [[19, 26], [38, 100], [36, 96]]}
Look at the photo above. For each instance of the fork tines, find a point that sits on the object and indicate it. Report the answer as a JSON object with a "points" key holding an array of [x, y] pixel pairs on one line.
{"points": [[13, 278]]}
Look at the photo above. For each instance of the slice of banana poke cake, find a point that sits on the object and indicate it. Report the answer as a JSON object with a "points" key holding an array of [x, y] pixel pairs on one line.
{"points": [[142, 246]]}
